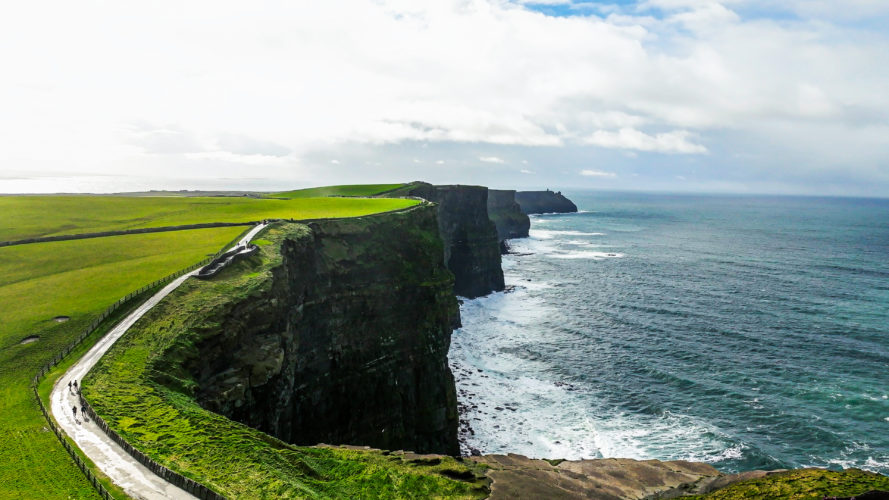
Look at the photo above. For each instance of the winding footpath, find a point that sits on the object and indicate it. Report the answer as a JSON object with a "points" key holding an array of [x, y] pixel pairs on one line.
{"points": [[133, 477]]}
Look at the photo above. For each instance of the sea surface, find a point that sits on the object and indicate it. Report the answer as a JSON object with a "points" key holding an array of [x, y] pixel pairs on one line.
{"points": [[747, 332]]}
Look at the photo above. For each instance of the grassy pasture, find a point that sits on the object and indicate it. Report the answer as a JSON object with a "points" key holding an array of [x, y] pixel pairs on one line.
{"points": [[35, 216], [233, 459], [344, 190], [802, 484], [78, 279]]}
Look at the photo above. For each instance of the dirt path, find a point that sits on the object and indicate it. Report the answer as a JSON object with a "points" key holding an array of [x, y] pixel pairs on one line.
{"points": [[134, 478]]}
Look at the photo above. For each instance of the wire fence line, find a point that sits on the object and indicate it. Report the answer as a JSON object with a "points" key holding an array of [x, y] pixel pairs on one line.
{"points": [[189, 485], [122, 232], [195, 488]]}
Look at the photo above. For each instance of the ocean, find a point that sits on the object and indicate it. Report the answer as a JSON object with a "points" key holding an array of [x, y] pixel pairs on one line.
{"points": [[747, 332]]}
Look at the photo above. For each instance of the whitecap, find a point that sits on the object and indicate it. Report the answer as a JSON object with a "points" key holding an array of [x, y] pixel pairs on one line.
{"points": [[586, 255], [547, 234]]}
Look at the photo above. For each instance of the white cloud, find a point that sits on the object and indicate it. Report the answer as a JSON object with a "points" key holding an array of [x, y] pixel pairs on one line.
{"points": [[491, 159], [280, 80], [629, 138], [598, 173], [248, 159], [526, 171], [335, 162]]}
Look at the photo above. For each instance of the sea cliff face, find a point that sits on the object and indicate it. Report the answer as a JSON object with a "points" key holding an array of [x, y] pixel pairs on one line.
{"points": [[348, 341], [471, 243], [543, 202], [507, 215]]}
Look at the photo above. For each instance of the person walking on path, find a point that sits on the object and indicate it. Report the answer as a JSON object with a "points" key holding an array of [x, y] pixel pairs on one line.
{"points": [[74, 410], [75, 386], [69, 386], [82, 412]]}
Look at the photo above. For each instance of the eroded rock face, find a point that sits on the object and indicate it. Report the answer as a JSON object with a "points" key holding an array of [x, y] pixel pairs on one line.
{"points": [[519, 477], [507, 215], [471, 243], [544, 202], [347, 344]]}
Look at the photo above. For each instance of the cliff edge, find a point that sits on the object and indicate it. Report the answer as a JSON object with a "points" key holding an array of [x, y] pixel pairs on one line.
{"points": [[471, 243], [346, 343], [544, 202], [507, 216]]}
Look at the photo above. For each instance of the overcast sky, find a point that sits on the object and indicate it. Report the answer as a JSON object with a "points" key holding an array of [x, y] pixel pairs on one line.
{"points": [[679, 95]]}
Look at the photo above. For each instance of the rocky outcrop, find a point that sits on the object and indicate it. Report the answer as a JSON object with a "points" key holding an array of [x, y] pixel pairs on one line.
{"points": [[544, 202], [346, 342], [518, 477], [507, 215], [471, 243]]}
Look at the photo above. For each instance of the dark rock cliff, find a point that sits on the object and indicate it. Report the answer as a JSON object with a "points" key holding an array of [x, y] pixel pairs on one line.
{"points": [[507, 216], [543, 202], [346, 343], [471, 243]]}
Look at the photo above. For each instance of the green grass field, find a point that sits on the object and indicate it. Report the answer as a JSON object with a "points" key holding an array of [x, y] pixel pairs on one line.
{"points": [[81, 278], [238, 461], [803, 484], [78, 279], [345, 190], [24, 217]]}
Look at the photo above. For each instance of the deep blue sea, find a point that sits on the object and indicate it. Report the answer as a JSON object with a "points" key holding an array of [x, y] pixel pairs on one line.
{"points": [[747, 332]]}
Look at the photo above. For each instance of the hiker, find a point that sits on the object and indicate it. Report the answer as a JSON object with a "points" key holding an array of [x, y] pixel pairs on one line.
{"points": [[74, 410], [75, 385], [83, 412], [69, 386]]}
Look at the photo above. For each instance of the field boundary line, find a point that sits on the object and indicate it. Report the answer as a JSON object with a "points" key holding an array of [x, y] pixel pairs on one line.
{"points": [[61, 355], [122, 232], [191, 486]]}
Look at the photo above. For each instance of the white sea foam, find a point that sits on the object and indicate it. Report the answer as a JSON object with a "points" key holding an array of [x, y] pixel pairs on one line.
{"points": [[494, 362], [581, 243], [546, 234], [585, 255]]}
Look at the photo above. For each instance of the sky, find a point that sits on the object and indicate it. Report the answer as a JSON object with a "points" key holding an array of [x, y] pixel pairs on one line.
{"points": [[737, 96]]}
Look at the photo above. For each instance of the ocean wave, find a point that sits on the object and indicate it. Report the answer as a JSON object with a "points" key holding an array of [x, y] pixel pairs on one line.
{"points": [[546, 234], [586, 255]]}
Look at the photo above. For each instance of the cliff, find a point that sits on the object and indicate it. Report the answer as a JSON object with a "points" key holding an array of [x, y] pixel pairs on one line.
{"points": [[543, 202], [346, 342], [471, 243], [507, 215]]}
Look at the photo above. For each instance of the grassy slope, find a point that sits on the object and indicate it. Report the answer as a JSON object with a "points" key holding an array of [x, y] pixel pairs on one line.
{"points": [[77, 279], [804, 484], [34, 216], [236, 460], [345, 190]]}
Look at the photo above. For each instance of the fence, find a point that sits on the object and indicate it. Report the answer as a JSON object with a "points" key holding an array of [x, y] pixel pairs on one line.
{"points": [[193, 487], [121, 232]]}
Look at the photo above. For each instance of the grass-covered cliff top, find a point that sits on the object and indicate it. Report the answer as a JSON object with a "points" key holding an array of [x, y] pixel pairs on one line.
{"points": [[233, 459], [76, 279], [802, 484], [343, 190], [37, 216], [80, 279]]}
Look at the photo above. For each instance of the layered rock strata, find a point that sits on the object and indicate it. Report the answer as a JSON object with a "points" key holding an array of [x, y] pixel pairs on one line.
{"points": [[544, 202], [507, 216], [471, 243], [346, 343]]}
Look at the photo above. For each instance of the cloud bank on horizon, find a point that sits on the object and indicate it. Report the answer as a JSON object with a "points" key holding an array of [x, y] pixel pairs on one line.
{"points": [[685, 95]]}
